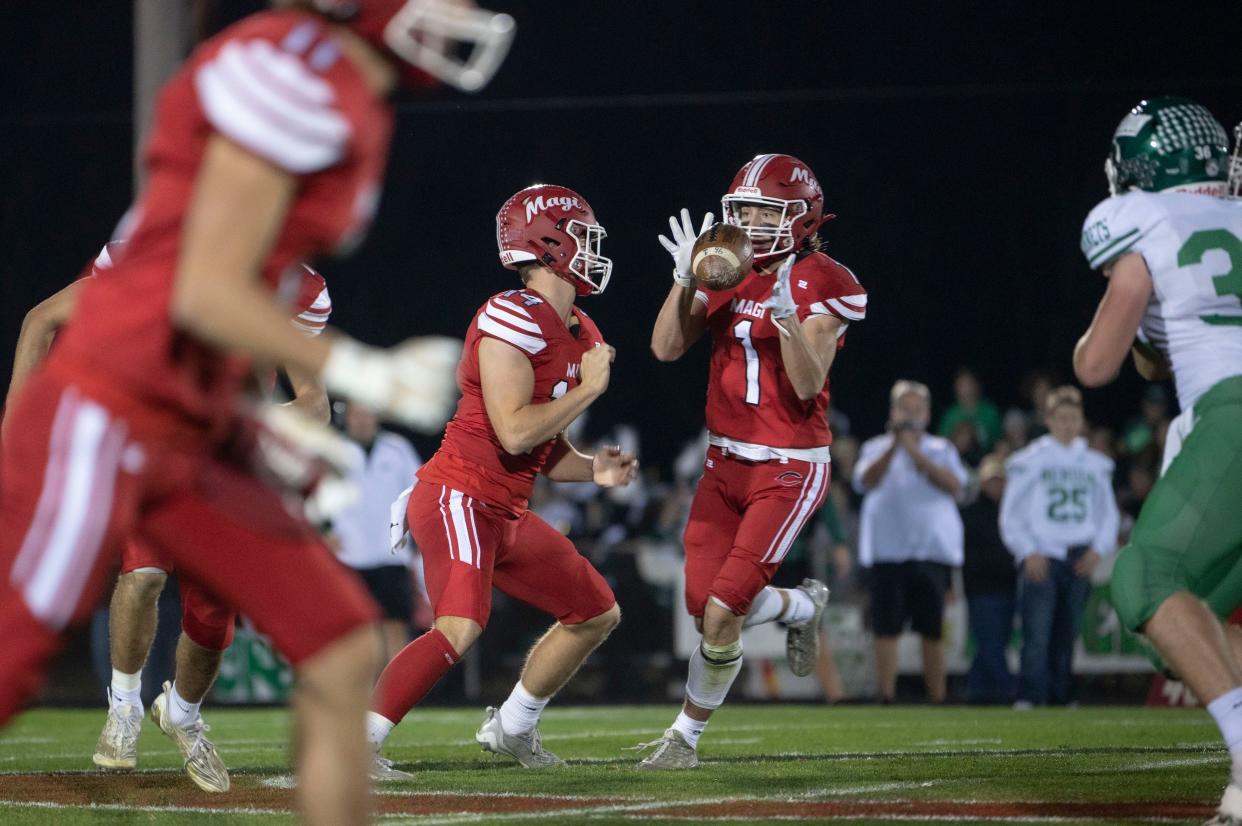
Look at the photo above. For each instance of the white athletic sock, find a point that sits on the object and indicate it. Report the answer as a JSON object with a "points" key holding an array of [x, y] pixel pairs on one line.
{"points": [[1226, 710], [181, 712], [689, 728], [378, 727], [765, 607], [520, 713], [800, 609], [126, 688]]}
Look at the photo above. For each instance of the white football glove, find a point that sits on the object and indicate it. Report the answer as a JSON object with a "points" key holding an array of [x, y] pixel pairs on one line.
{"points": [[780, 304], [305, 458], [414, 383], [681, 246]]}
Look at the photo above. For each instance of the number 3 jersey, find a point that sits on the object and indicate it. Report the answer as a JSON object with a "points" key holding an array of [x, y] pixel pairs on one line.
{"points": [[1192, 244], [471, 458], [1058, 496], [752, 407]]}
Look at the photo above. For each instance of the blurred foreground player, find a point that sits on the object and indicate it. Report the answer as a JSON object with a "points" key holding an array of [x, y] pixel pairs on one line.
{"points": [[774, 338], [533, 363], [268, 147], [207, 625], [1171, 249]]}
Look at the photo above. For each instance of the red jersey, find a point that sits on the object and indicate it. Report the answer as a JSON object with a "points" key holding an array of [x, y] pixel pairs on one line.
{"points": [[471, 458], [278, 85], [749, 397]]}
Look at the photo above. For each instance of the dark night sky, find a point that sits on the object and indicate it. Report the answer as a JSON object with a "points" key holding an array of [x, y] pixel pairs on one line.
{"points": [[960, 148]]}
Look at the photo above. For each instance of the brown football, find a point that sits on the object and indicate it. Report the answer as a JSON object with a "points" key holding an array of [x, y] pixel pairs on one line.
{"points": [[722, 257]]}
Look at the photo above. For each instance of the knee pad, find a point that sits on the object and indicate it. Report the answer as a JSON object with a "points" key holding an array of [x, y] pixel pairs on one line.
{"points": [[713, 668]]}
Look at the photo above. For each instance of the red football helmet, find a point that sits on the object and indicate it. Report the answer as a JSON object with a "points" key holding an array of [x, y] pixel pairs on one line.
{"points": [[780, 182], [555, 227], [441, 40]]}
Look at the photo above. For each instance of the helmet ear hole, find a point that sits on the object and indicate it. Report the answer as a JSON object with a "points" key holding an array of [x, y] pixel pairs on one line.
{"points": [[551, 242]]}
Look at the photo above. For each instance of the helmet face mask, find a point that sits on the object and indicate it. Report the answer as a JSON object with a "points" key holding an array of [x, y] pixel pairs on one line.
{"points": [[1168, 143], [554, 227], [787, 187], [589, 265], [433, 41], [460, 45], [767, 240]]}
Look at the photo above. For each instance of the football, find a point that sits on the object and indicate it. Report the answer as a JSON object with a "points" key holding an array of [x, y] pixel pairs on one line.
{"points": [[722, 257]]}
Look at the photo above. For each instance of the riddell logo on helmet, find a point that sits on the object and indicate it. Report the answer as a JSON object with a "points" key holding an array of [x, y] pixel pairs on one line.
{"points": [[538, 204], [803, 174]]}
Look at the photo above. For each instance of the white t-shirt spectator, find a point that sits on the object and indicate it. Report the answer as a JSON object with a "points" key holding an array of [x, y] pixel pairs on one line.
{"points": [[381, 476], [906, 517], [1058, 496]]}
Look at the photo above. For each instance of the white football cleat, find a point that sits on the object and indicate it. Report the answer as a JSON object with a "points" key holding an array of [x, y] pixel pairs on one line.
{"points": [[672, 752], [118, 742], [202, 763], [383, 771], [526, 748], [802, 640], [1229, 812]]}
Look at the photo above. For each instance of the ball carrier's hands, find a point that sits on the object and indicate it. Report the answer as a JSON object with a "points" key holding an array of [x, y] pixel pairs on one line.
{"points": [[682, 319], [681, 245]]}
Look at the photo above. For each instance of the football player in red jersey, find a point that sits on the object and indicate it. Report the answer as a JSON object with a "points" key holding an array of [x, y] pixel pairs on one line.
{"points": [[207, 625], [774, 338], [533, 362], [267, 149]]}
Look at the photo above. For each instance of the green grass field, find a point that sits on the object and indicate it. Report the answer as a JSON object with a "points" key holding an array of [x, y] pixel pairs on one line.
{"points": [[762, 764]]}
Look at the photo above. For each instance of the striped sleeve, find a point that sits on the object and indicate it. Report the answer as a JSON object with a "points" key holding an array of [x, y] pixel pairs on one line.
{"points": [[314, 318], [1117, 226], [269, 101], [513, 324], [841, 295]]}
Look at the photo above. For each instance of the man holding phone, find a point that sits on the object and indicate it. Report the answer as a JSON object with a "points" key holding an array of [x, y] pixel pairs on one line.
{"points": [[910, 533]]}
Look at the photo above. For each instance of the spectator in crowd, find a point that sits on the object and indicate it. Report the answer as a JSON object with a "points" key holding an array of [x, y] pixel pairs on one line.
{"points": [[1058, 517], [970, 406], [991, 583], [965, 439], [1101, 439], [1016, 427], [910, 533], [359, 535], [1035, 386]]}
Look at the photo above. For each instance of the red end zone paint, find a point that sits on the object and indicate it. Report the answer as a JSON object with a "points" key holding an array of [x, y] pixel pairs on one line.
{"points": [[157, 790]]}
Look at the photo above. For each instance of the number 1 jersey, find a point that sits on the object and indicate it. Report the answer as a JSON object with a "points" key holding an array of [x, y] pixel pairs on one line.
{"points": [[749, 397], [1192, 244]]}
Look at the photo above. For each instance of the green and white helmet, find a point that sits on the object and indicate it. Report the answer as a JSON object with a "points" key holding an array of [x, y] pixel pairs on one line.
{"points": [[1168, 143], [1234, 190]]}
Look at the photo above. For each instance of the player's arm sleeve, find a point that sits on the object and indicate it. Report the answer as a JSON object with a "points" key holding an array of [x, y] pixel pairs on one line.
{"points": [[1108, 514], [507, 320], [1014, 529], [1118, 226], [314, 318], [272, 103], [837, 292]]}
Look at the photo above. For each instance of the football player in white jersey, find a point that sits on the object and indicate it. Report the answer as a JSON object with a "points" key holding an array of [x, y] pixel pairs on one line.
{"points": [[1171, 248]]}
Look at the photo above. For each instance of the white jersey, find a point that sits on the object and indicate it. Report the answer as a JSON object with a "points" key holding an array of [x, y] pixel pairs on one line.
{"points": [[1058, 496], [363, 527], [1193, 248]]}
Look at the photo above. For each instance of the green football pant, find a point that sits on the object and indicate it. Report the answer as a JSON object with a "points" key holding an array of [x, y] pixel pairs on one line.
{"points": [[1189, 534]]}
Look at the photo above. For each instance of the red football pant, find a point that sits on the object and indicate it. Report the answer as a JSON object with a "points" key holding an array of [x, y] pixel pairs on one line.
{"points": [[204, 619], [82, 475], [744, 518], [467, 546]]}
